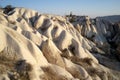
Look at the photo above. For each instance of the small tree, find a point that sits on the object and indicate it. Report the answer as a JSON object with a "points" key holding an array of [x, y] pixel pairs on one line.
{"points": [[71, 14], [8, 8]]}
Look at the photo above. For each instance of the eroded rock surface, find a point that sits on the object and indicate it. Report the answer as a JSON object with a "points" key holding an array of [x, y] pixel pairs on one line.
{"points": [[35, 46]]}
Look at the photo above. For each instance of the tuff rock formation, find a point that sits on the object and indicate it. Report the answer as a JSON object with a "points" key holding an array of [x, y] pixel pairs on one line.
{"points": [[36, 46]]}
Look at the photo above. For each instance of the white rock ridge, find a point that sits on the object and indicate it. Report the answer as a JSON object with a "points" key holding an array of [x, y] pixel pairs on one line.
{"points": [[35, 46]]}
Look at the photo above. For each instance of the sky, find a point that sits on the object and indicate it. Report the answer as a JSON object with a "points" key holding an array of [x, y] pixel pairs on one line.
{"points": [[91, 8]]}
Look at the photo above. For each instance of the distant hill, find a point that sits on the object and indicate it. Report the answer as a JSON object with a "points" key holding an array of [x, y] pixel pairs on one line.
{"points": [[112, 18]]}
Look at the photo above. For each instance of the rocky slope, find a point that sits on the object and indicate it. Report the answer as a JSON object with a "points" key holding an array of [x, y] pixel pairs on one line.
{"points": [[112, 19], [36, 46]]}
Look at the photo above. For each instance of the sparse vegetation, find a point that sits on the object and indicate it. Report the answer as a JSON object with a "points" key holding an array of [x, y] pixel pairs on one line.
{"points": [[12, 22], [6, 62], [49, 75], [82, 62], [72, 19], [87, 64], [23, 68], [17, 69], [8, 8]]}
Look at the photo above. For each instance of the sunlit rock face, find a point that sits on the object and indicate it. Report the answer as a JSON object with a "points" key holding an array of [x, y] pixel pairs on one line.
{"points": [[36, 46]]}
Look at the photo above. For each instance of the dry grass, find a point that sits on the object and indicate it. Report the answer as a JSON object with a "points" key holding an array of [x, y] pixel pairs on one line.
{"points": [[23, 68], [8, 65], [83, 62], [12, 22], [86, 63], [50, 74], [3, 69]]}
